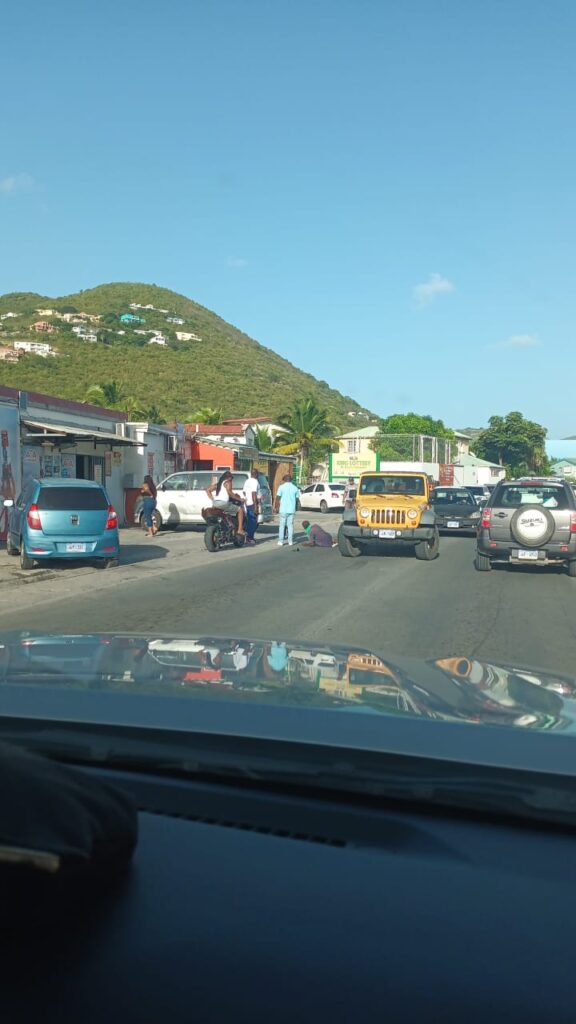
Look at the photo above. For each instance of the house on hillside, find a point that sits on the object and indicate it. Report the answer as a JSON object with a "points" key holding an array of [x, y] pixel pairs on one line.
{"points": [[42, 326], [7, 316], [174, 320], [46, 312], [35, 348], [157, 339], [80, 329], [90, 336], [131, 318], [8, 355], [187, 336]]}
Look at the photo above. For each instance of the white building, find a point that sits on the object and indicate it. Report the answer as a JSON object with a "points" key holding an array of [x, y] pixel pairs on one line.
{"points": [[187, 336], [79, 330], [157, 339], [36, 348], [174, 320]]}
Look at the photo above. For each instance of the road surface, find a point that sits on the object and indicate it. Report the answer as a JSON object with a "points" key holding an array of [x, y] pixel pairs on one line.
{"points": [[387, 602]]}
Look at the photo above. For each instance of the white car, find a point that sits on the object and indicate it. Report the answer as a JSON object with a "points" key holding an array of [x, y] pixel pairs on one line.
{"points": [[182, 496], [323, 497]]}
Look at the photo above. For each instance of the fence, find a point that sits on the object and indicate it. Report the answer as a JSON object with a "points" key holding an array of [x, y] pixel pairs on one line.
{"points": [[415, 448]]}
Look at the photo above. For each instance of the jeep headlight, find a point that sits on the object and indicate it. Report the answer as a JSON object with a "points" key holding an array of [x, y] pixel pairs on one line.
{"points": [[364, 512], [412, 513], [475, 515]]}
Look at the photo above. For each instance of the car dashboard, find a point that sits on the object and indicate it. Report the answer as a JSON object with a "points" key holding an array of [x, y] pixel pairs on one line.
{"points": [[251, 904]]}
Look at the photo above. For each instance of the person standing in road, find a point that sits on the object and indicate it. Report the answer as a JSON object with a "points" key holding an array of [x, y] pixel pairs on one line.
{"points": [[251, 491], [148, 492], [285, 503]]}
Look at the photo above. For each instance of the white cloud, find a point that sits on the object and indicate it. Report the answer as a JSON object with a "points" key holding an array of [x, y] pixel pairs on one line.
{"points": [[430, 289], [521, 341], [16, 183], [237, 262]]}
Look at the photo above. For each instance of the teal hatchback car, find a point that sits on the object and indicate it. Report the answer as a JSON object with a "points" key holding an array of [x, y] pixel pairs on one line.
{"points": [[62, 519]]}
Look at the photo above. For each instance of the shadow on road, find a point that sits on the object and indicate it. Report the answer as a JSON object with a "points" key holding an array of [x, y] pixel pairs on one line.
{"points": [[132, 553]]}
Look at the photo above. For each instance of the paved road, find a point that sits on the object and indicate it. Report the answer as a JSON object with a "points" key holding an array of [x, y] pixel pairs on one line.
{"points": [[388, 602]]}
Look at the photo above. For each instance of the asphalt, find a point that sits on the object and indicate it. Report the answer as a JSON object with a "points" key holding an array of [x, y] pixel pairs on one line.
{"points": [[387, 601]]}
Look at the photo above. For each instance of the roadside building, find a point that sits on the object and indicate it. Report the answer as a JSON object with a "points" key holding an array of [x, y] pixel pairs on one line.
{"points": [[35, 348], [355, 454], [47, 437]]}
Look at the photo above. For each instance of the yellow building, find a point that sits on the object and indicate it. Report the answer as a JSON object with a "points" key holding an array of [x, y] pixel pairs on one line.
{"points": [[355, 455]]}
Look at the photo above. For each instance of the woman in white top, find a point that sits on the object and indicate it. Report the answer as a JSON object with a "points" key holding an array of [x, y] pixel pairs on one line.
{"points": [[226, 499]]}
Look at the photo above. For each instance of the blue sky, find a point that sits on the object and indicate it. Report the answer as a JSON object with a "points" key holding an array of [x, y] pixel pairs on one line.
{"points": [[382, 192]]}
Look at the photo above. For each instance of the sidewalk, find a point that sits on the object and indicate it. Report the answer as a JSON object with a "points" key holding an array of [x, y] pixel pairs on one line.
{"points": [[169, 549]]}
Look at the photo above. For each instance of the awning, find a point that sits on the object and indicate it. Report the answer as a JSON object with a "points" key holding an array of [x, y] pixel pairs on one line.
{"points": [[56, 434]]}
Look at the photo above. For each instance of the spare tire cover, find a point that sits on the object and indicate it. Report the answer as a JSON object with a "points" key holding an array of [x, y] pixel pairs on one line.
{"points": [[532, 525]]}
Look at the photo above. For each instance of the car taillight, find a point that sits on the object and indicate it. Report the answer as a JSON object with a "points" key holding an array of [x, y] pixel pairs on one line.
{"points": [[33, 518], [573, 522], [112, 521], [486, 513], [335, 495]]}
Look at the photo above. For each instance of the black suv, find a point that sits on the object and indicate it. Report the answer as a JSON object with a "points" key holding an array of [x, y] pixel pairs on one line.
{"points": [[532, 520]]}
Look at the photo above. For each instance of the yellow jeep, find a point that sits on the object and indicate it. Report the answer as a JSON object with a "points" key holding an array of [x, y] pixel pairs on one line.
{"points": [[390, 507]]}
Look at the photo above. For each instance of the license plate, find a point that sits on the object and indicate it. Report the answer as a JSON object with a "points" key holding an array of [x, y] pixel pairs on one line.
{"points": [[453, 524], [75, 547], [530, 556], [386, 533]]}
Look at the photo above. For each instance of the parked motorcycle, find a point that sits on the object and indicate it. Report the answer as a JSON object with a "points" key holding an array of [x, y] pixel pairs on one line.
{"points": [[221, 528]]}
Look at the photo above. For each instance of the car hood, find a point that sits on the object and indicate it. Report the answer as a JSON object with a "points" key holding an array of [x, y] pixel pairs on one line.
{"points": [[288, 673]]}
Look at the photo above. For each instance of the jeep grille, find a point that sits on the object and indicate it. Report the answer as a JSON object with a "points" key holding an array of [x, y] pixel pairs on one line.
{"points": [[389, 516]]}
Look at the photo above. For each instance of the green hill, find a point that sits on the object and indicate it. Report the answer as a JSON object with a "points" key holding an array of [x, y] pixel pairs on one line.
{"points": [[224, 369]]}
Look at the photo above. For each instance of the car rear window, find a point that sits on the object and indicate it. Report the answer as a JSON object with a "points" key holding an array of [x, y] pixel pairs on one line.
{"points": [[549, 497], [69, 499], [451, 497]]}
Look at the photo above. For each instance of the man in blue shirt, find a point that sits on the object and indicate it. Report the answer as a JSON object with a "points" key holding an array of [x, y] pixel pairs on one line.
{"points": [[285, 503]]}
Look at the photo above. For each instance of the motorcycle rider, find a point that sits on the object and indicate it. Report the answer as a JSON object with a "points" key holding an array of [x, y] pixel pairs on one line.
{"points": [[225, 498]]}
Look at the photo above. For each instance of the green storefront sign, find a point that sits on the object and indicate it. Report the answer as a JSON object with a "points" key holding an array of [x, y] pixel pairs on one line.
{"points": [[345, 464]]}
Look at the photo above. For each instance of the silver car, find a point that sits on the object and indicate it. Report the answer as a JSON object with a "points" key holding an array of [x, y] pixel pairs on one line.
{"points": [[529, 521]]}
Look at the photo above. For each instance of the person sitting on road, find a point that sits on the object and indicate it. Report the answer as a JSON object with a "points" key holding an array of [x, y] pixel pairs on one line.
{"points": [[316, 536], [226, 499]]}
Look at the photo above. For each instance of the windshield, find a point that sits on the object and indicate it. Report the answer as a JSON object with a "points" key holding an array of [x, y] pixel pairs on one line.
{"points": [[392, 485], [451, 497], [286, 371]]}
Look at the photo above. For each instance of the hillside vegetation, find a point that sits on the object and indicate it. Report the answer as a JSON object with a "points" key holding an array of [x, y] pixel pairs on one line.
{"points": [[225, 369]]}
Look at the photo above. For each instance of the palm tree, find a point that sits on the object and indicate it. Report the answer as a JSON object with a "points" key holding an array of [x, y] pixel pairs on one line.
{"points": [[132, 406], [304, 428], [262, 440], [110, 393], [207, 415], [153, 414]]}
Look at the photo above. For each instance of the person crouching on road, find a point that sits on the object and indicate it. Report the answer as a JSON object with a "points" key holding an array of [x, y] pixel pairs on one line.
{"points": [[226, 499], [285, 503], [148, 492], [251, 492], [316, 537]]}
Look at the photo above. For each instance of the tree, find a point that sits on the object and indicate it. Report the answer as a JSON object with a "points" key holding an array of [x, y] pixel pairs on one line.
{"points": [[207, 415], [110, 393], [132, 406], [153, 415], [514, 442], [304, 429], [262, 440], [394, 439]]}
